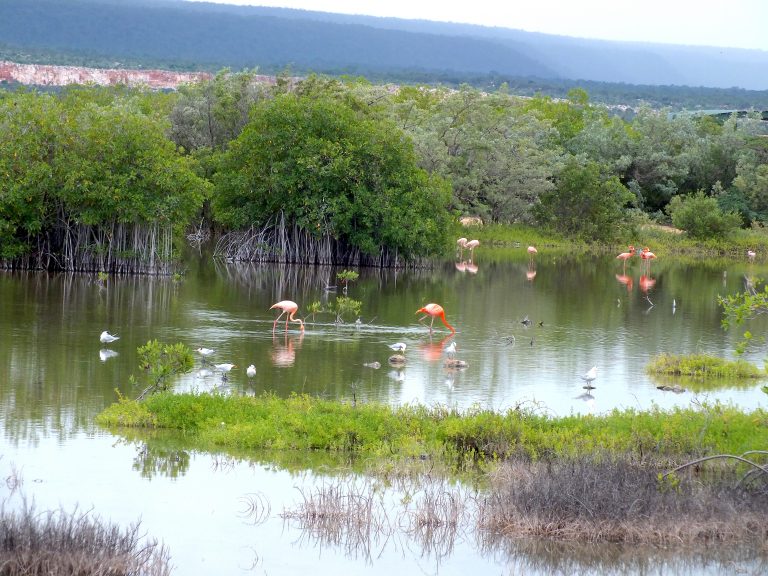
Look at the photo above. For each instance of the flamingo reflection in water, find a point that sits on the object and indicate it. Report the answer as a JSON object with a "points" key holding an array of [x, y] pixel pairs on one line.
{"points": [[626, 281], [646, 283], [434, 351], [284, 354]]}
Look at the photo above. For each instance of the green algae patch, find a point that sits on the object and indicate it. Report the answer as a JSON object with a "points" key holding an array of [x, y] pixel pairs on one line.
{"points": [[301, 422]]}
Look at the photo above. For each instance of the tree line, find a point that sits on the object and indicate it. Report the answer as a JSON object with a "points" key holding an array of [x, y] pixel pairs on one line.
{"points": [[344, 171]]}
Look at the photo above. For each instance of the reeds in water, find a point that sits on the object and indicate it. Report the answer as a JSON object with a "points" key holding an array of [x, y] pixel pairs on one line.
{"points": [[57, 542], [114, 249], [278, 241]]}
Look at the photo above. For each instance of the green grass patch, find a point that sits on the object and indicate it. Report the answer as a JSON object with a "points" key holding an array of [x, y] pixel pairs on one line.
{"points": [[300, 422], [703, 366]]}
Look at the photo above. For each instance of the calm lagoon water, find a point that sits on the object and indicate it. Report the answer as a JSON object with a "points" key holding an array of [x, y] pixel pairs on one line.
{"points": [[585, 311]]}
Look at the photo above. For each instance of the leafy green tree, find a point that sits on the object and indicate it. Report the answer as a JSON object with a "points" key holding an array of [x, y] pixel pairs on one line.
{"points": [[751, 184], [497, 155], [29, 144], [118, 166], [587, 202], [334, 170], [660, 156], [210, 114], [701, 217]]}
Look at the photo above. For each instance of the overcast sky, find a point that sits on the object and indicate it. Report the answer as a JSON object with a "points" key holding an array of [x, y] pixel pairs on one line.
{"points": [[733, 23]]}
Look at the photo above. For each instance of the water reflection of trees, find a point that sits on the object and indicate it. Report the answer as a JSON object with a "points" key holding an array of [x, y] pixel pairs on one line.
{"points": [[157, 461], [46, 389], [302, 283]]}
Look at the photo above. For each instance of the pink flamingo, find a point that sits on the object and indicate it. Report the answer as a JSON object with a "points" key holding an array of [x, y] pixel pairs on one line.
{"points": [[626, 255], [471, 245], [290, 308], [646, 255], [461, 243], [751, 255], [434, 310], [532, 251]]}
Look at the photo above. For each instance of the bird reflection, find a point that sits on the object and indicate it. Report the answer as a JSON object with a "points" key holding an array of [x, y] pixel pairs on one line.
{"points": [[589, 399], [646, 283], [466, 266], [626, 281], [105, 354], [397, 375], [433, 351], [284, 353]]}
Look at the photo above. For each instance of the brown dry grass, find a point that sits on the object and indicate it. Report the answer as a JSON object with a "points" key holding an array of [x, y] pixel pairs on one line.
{"points": [[617, 500], [59, 543]]}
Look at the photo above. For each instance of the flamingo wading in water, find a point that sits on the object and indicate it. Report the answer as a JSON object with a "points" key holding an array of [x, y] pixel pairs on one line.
{"points": [[646, 255], [471, 245], [461, 243], [434, 310], [626, 255], [290, 308]]}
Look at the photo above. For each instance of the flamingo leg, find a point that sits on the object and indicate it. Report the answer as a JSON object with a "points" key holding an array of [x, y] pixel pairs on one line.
{"points": [[276, 320]]}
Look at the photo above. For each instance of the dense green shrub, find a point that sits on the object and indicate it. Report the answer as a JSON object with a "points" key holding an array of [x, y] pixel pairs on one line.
{"points": [[701, 217]]}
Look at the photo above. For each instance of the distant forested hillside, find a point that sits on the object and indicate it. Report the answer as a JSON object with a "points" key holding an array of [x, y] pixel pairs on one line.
{"points": [[180, 35]]}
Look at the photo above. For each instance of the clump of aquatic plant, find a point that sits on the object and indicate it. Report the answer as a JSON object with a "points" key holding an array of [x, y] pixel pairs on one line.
{"points": [[345, 306], [739, 308], [313, 309], [347, 276], [475, 437], [614, 497], [58, 542], [160, 362], [702, 366]]}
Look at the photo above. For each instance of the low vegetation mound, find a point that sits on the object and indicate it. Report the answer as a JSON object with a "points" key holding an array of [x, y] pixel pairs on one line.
{"points": [[703, 366]]}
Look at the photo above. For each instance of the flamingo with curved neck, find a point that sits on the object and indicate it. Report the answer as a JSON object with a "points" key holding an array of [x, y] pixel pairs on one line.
{"points": [[290, 308], [435, 310]]}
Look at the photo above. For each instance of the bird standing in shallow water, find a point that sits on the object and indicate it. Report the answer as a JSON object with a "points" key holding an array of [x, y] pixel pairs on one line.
{"points": [[290, 308], [251, 371], [224, 369], [397, 346], [450, 350], [471, 245], [626, 255], [461, 243], [646, 256], [107, 338], [434, 310], [589, 377]]}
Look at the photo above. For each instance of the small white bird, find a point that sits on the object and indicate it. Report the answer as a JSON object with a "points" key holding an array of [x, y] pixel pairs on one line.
{"points": [[106, 337], [204, 352], [398, 346], [450, 350], [589, 377], [251, 371], [224, 369]]}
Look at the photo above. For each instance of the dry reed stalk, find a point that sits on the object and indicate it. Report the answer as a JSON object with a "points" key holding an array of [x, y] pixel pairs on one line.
{"points": [[278, 241], [57, 542]]}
